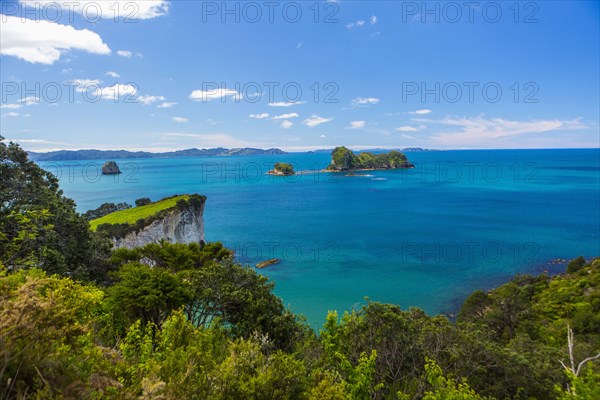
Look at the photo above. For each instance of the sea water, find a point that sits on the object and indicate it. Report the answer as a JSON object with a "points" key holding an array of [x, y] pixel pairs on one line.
{"points": [[424, 237]]}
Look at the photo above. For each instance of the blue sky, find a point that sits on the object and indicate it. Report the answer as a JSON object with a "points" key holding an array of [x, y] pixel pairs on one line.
{"points": [[160, 75]]}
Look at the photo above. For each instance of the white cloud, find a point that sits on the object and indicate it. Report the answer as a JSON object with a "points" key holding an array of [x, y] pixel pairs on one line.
{"points": [[43, 41], [322, 136], [115, 92], [407, 128], [30, 100], [286, 116], [207, 95], [286, 124], [180, 120], [315, 120], [373, 19], [405, 136], [85, 82], [166, 104], [358, 23], [11, 114], [124, 53], [357, 124], [480, 131], [11, 106], [259, 116], [83, 85], [285, 104], [145, 100], [421, 112], [93, 10], [32, 141], [364, 101], [112, 74]]}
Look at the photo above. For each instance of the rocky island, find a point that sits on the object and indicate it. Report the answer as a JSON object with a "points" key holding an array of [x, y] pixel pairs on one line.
{"points": [[266, 263], [282, 169], [110, 168], [344, 160]]}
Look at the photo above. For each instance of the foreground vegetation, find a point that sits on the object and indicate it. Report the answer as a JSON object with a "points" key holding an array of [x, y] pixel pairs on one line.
{"points": [[198, 325]]}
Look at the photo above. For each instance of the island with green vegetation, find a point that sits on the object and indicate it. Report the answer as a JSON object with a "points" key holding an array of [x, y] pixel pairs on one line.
{"points": [[80, 320], [282, 169], [345, 160]]}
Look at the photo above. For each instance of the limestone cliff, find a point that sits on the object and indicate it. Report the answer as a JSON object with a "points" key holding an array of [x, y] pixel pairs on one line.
{"points": [[177, 225]]}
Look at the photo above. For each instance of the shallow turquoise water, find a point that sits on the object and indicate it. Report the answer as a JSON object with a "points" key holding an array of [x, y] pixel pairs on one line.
{"points": [[427, 237]]}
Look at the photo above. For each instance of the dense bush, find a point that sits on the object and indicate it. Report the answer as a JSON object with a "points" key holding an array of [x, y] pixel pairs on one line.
{"points": [[39, 226], [136, 339], [142, 202], [105, 209]]}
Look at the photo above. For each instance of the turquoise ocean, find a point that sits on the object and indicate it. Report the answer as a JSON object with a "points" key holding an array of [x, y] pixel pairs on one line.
{"points": [[425, 237]]}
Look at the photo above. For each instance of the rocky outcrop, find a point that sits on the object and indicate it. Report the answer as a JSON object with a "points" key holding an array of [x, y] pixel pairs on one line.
{"points": [[178, 225], [265, 264], [110, 168]]}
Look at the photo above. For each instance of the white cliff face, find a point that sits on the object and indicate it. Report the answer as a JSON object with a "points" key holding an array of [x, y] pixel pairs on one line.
{"points": [[178, 226]]}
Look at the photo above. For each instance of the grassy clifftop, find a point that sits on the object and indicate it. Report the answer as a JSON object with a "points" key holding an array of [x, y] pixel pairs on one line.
{"points": [[133, 215]]}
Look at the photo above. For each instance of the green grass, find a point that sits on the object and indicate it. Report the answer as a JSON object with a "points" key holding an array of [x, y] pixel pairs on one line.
{"points": [[132, 215]]}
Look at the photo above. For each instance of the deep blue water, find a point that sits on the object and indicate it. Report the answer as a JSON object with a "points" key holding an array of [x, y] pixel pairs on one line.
{"points": [[427, 237]]}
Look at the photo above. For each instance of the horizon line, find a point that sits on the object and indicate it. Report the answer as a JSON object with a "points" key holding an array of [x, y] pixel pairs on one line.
{"points": [[305, 150]]}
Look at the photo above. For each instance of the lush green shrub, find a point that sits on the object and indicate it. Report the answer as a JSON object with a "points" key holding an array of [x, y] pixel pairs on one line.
{"points": [[144, 201]]}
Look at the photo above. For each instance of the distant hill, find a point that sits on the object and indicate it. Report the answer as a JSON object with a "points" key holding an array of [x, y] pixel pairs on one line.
{"points": [[73, 155], [376, 150]]}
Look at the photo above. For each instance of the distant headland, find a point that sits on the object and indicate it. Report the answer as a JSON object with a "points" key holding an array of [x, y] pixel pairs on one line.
{"points": [[379, 150], [74, 155]]}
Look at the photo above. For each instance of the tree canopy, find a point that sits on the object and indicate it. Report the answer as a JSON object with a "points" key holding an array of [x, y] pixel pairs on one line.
{"points": [[39, 226]]}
